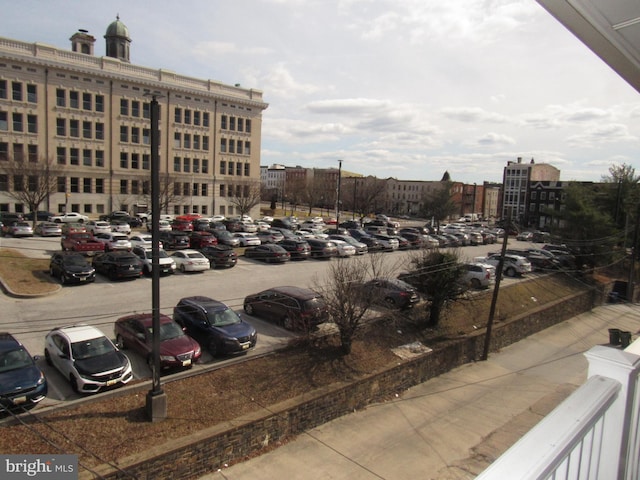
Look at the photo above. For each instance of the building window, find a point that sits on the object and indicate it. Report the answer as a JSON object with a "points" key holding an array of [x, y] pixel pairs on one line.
{"points": [[124, 160], [230, 170], [135, 135], [123, 186], [187, 140], [86, 101], [99, 158], [32, 123], [205, 119], [146, 110], [62, 184], [177, 162], [135, 161], [3, 89], [86, 185], [543, 195], [177, 140], [74, 185], [18, 152], [74, 128], [124, 133], [232, 146], [186, 189], [99, 103], [4, 151], [205, 143], [186, 165], [146, 161], [135, 187], [223, 167], [534, 195], [246, 169], [187, 117], [239, 169], [86, 129], [223, 145], [99, 185], [32, 153], [223, 122], [205, 166], [240, 125], [247, 148], [196, 166], [196, 118], [4, 183], [16, 89], [61, 155], [87, 157], [99, 131], [32, 94], [177, 116], [74, 99], [196, 142], [232, 123], [74, 156], [4, 122], [17, 122], [146, 136], [552, 195], [146, 187], [124, 106], [135, 108], [222, 191]]}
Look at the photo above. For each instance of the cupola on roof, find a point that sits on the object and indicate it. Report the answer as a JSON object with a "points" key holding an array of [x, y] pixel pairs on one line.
{"points": [[117, 29]]}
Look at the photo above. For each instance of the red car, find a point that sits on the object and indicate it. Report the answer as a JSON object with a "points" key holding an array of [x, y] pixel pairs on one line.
{"points": [[182, 226], [202, 239], [176, 348]]}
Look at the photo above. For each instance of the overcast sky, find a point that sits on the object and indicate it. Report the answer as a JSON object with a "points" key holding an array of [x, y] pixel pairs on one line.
{"points": [[399, 88]]}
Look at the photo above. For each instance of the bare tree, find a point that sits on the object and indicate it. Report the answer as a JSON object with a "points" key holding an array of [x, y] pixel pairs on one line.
{"points": [[168, 194], [438, 204], [244, 196], [31, 183]]}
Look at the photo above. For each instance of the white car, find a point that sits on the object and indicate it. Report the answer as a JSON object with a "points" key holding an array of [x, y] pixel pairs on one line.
{"points": [[247, 239], [98, 226], [163, 226], [71, 217], [114, 241], [479, 275], [142, 240], [86, 358], [120, 227], [190, 261], [513, 264], [166, 263], [344, 249]]}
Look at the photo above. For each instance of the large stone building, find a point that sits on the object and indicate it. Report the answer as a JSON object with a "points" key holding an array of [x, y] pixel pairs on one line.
{"points": [[91, 115]]}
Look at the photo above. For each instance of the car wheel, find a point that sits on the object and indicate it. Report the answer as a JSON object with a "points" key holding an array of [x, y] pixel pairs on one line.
{"points": [[248, 308], [74, 383], [47, 357], [112, 274], [120, 342], [183, 269], [510, 272], [213, 348], [287, 323], [147, 270], [475, 283], [51, 272], [63, 279]]}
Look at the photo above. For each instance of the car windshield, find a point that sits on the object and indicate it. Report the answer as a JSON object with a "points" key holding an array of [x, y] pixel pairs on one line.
{"points": [[14, 359], [91, 348], [119, 238], [314, 303], [194, 255], [168, 331], [76, 260], [221, 318]]}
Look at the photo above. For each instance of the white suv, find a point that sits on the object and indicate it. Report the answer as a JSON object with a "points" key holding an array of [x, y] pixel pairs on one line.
{"points": [[479, 275], [87, 358], [513, 264]]}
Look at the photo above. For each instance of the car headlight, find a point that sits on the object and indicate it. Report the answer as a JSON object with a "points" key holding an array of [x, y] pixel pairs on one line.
{"points": [[41, 380], [167, 358]]}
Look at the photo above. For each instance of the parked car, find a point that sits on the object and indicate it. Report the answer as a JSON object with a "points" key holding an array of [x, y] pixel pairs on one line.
{"points": [[98, 226], [389, 244], [190, 260], [118, 265], [290, 223], [344, 249], [182, 225], [73, 227], [120, 226], [86, 358], [22, 383], [542, 260], [40, 216], [479, 275], [71, 267], [363, 237], [174, 240], [177, 349], [226, 238], [70, 217], [268, 253], [294, 308], [269, 236], [298, 249], [215, 326], [18, 229], [524, 236], [81, 242], [48, 229], [247, 239], [361, 248], [142, 240], [199, 240], [391, 292], [165, 262], [8, 217], [163, 226], [321, 248], [220, 255], [114, 241], [513, 264]]}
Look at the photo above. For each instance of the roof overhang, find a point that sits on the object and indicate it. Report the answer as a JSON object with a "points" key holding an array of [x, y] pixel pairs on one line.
{"points": [[610, 28]]}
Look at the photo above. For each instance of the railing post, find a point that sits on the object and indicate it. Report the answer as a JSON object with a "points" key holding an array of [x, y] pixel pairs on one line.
{"points": [[620, 433]]}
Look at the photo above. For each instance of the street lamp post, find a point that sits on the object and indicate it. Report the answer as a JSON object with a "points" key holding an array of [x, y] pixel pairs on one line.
{"points": [[156, 402]]}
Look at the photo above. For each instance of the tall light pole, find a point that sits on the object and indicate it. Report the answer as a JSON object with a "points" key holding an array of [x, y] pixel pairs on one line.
{"points": [[156, 404], [338, 193]]}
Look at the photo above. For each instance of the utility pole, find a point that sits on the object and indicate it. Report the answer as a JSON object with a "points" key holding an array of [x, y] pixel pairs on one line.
{"points": [[634, 256], [338, 194]]}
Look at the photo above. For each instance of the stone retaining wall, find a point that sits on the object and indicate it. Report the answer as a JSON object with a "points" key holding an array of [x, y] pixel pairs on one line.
{"points": [[210, 449]]}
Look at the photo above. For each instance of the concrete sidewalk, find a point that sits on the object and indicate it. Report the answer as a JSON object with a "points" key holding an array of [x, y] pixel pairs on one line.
{"points": [[453, 426]]}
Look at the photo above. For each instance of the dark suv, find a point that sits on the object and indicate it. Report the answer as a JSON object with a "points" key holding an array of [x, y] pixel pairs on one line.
{"points": [[71, 267], [214, 325], [294, 308], [175, 240]]}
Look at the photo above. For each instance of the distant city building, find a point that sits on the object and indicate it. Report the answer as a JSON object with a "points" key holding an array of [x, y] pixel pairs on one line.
{"points": [[92, 115]]}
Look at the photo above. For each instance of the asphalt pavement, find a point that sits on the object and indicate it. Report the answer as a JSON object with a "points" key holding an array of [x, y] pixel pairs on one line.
{"points": [[452, 426]]}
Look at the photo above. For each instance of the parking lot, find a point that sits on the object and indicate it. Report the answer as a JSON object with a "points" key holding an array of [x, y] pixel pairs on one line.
{"points": [[99, 304]]}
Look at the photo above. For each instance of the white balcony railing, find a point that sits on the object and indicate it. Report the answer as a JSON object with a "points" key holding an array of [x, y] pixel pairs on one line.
{"points": [[593, 434]]}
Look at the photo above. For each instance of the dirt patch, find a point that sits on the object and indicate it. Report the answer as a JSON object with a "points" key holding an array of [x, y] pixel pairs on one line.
{"points": [[108, 429]]}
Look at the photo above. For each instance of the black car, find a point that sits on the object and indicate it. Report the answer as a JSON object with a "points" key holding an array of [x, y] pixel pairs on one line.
{"points": [[71, 267], [214, 325], [360, 235], [294, 308], [321, 248], [22, 383], [175, 240], [41, 215], [268, 252], [225, 238], [392, 292], [220, 255], [298, 249], [288, 223], [117, 265]]}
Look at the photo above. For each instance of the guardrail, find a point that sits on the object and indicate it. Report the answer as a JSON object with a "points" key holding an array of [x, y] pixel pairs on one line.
{"points": [[593, 434]]}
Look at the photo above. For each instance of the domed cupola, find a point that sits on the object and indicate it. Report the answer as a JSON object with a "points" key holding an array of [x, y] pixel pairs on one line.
{"points": [[118, 41]]}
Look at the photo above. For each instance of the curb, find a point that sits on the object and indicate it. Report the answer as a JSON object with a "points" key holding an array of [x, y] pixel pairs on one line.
{"points": [[5, 288]]}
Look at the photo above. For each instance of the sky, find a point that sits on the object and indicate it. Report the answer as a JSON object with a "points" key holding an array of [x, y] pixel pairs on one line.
{"points": [[394, 88]]}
